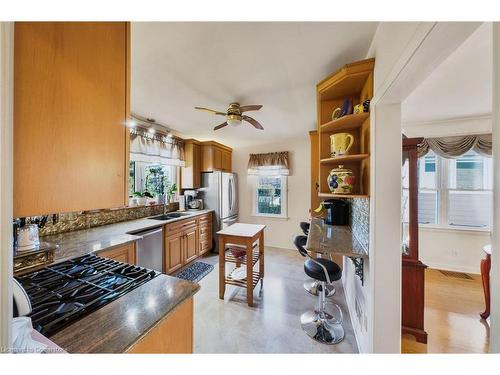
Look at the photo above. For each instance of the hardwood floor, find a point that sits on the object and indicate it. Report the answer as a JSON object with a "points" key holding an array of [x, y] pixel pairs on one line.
{"points": [[452, 307]]}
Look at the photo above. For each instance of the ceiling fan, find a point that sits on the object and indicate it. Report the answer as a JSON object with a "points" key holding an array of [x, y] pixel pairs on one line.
{"points": [[234, 115]]}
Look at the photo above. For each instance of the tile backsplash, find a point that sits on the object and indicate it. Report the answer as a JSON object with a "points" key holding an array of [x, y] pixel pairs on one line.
{"points": [[360, 220], [71, 221]]}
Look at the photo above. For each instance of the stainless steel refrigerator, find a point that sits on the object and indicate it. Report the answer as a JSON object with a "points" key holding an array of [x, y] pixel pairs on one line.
{"points": [[219, 192]]}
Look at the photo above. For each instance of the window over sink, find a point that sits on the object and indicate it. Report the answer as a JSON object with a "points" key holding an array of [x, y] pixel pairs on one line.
{"points": [[150, 177]]}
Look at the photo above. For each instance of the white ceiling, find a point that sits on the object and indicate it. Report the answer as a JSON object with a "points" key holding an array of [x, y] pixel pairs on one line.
{"points": [[176, 66], [461, 87]]}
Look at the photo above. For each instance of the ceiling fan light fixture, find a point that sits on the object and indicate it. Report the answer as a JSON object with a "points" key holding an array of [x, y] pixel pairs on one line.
{"points": [[234, 120]]}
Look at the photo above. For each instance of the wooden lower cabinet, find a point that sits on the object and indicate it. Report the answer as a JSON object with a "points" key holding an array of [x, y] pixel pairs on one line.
{"points": [[125, 254], [185, 241], [172, 335], [172, 252], [190, 245]]}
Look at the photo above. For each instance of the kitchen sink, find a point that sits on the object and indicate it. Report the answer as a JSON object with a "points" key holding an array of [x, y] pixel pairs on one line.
{"points": [[173, 215]]}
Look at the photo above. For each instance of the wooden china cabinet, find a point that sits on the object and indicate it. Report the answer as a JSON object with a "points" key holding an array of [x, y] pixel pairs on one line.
{"points": [[413, 270]]}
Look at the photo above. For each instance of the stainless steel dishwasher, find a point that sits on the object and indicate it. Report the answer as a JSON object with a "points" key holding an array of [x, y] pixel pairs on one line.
{"points": [[150, 249]]}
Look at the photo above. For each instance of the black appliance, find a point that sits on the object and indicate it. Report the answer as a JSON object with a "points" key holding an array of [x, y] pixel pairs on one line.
{"points": [[64, 292], [337, 212]]}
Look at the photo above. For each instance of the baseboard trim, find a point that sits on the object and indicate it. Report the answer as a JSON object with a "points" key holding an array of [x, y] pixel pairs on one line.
{"points": [[453, 268]]}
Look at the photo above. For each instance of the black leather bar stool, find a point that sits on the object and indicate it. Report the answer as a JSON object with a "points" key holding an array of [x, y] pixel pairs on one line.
{"points": [[319, 324], [311, 285]]}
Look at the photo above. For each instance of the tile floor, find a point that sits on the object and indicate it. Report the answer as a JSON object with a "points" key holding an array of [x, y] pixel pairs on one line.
{"points": [[272, 325]]}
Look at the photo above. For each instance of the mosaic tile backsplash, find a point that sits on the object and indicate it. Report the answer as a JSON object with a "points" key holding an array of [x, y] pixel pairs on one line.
{"points": [[72, 221], [360, 220]]}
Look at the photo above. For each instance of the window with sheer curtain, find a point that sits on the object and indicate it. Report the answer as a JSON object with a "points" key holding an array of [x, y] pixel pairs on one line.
{"points": [[455, 193]]}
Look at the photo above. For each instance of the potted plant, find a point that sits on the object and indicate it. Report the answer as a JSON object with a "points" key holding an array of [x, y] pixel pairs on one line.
{"points": [[170, 189], [142, 197]]}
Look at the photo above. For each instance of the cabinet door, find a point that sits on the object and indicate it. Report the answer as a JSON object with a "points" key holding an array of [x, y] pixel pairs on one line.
{"points": [[172, 255], [196, 166], [226, 161], [191, 172], [70, 107], [125, 254], [190, 244], [217, 155]]}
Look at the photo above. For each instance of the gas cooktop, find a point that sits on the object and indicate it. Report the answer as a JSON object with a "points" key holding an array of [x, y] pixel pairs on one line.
{"points": [[62, 293]]}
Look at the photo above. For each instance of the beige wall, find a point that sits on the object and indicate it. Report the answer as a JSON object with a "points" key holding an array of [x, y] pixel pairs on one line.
{"points": [[279, 232]]}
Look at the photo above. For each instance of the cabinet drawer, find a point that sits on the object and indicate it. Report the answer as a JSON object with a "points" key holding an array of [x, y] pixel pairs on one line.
{"points": [[205, 229], [205, 245], [205, 218], [125, 254], [180, 225]]}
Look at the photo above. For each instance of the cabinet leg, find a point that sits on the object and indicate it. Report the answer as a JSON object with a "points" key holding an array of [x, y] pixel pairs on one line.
{"points": [[485, 277], [249, 275], [222, 267]]}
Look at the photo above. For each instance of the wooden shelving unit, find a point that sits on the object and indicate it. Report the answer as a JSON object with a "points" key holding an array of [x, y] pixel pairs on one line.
{"points": [[356, 81], [348, 122], [344, 159]]}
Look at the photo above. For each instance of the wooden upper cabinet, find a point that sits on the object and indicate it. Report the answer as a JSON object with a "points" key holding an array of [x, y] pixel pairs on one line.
{"points": [[191, 172], [71, 101], [216, 157]]}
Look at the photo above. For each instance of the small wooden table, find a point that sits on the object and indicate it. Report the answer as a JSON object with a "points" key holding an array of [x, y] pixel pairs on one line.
{"points": [[485, 277], [244, 235]]}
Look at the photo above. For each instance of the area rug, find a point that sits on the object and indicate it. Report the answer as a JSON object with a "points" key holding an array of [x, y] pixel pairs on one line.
{"points": [[195, 272]]}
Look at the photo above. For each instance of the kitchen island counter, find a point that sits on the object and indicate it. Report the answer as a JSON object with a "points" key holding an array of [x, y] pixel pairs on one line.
{"points": [[120, 325]]}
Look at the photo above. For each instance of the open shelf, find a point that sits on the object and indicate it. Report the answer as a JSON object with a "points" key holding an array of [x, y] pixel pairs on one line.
{"points": [[330, 195], [344, 159], [347, 122]]}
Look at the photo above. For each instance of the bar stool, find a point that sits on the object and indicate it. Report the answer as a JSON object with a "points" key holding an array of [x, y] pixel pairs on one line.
{"points": [[319, 324], [312, 285]]}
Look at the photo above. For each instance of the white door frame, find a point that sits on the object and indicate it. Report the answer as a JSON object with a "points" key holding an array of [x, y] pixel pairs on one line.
{"points": [[427, 48], [6, 180]]}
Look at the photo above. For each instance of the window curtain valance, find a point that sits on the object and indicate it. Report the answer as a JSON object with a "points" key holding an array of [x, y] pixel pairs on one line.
{"points": [[155, 149], [269, 163], [453, 147]]}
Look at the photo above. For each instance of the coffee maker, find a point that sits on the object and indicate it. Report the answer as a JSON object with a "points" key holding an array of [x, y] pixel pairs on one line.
{"points": [[337, 211]]}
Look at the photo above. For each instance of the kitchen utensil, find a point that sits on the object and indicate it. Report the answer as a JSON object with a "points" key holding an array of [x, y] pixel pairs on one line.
{"points": [[27, 237], [341, 180], [340, 144]]}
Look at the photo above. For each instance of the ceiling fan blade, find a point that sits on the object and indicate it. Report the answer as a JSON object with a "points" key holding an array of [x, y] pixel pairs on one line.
{"points": [[253, 121], [253, 107], [220, 126], [210, 110]]}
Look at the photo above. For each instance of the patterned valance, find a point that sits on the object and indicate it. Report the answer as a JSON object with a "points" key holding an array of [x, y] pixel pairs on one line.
{"points": [[155, 149], [453, 147], [269, 163]]}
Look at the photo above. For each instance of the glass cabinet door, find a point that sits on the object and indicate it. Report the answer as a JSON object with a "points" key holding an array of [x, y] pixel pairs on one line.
{"points": [[405, 204]]}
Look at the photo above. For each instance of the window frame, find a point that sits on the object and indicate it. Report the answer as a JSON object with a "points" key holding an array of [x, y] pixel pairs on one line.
{"points": [[443, 193], [284, 196]]}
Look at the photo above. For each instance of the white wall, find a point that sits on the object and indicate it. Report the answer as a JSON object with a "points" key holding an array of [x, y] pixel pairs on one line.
{"points": [[452, 250], [6, 102], [279, 232]]}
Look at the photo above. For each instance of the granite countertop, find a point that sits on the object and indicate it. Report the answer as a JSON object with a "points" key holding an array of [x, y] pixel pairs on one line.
{"points": [[334, 239], [115, 327], [86, 241]]}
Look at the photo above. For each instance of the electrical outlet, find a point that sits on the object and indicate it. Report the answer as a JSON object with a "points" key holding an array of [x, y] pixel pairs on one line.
{"points": [[454, 252]]}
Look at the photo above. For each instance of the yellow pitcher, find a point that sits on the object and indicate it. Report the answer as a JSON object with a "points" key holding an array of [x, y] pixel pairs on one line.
{"points": [[340, 144]]}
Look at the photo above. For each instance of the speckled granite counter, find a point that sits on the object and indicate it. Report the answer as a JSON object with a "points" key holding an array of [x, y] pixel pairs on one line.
{"points": [[86, 241], [333, 239], [115, 327]]}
